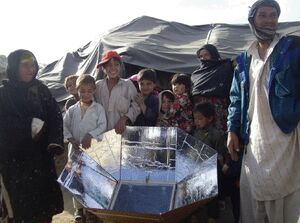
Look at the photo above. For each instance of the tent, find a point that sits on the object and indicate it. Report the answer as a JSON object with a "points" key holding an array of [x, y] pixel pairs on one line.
{"points": [[168, 47], [3, 65]]}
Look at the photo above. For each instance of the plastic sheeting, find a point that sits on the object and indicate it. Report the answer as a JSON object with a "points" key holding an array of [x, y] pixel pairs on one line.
{"points": [[148, 42]]}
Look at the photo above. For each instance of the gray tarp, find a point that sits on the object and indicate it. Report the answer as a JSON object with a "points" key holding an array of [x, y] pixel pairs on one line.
{"points": [[148, 42]]}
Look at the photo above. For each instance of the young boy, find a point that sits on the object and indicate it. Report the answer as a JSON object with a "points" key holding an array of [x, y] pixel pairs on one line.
{"points": [[82, 122], [181, 109], [204, 120], [116, 94], [146, 99], [70, 85]]}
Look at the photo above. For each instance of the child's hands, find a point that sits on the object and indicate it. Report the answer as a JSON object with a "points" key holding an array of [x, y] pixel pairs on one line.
{"points": [[74, 143], [68, 166], [139, 98], [121, 125], [86, 141]]}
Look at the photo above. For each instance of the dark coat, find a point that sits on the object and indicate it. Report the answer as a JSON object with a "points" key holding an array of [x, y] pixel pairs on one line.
{"points": [[27, 165], [151, 114]]}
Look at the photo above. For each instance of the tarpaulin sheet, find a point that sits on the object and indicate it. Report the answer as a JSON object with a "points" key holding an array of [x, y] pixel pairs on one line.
{"points": [[153, 43]]}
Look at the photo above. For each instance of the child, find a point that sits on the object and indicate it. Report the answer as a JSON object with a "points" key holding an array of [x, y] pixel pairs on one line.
{"points": [[181, 109], [147, 101], [204, 119], [82, 122], [70, 85], [31, 134], [166, 99], [116, 94]]}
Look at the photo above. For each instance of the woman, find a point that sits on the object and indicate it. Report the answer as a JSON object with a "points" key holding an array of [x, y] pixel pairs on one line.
{"points": [[31, 134], [211, 82]]}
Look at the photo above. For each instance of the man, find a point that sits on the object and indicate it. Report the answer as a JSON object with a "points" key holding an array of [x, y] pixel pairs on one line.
{"points": [[264, 115]]}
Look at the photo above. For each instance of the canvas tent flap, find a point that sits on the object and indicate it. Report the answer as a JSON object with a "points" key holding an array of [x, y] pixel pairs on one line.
{"points": [[149, 42]]}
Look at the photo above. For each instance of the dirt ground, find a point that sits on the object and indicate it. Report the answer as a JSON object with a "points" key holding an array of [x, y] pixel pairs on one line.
{"points": [[67, 215]]}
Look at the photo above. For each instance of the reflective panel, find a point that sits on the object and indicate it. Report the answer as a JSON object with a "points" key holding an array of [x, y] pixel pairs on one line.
{"points": [[199, 185], [148, 154], [149, 170], [196, 170], [107, 152], [150, 199], [190, 154], [89, 183]]}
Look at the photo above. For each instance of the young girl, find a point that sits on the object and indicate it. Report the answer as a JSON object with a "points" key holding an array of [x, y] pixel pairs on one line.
{"points": [[117, 95], [181, 109], [166, 99], [82, 122]]}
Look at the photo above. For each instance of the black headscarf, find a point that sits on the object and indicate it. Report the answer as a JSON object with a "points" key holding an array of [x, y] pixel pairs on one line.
{"points": [[22, 93], [262, 34], [13, 63], [213, 77], [212, 50]]}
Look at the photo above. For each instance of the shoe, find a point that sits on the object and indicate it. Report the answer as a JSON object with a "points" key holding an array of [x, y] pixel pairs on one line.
{"points": [[78, 215]]}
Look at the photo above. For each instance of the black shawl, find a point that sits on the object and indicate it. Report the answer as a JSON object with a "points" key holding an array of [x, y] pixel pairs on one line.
{"points": [[212, 78]]}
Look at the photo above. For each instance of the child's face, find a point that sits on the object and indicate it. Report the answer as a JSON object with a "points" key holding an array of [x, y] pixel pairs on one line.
{"points": [[86, 93], [178, 89], [166, 104], [71, 86], [112, 69], [201, 121], [146, 87], [27, 71]]}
